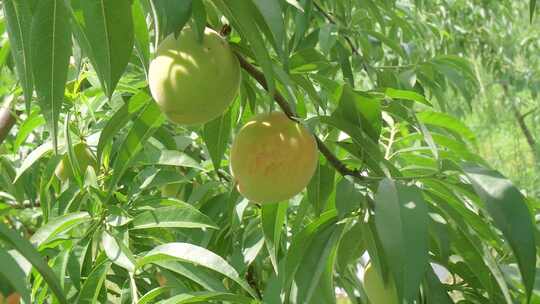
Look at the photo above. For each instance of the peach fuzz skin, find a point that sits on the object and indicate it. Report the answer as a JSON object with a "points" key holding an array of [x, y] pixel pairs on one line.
{"points": [[273, 158]]}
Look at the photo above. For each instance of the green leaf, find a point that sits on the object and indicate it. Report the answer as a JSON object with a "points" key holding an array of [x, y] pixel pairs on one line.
{"points": [[170, 16], [19, 19], [405, 241], [216, 135], [273, 218], [141, 34], [181, 215], [272, 13], [321, 186], [28, 126], [203, 277], [120, 119], [295, 4], [32, 158], [301, 242], [197, 255], [435, 290], [5, 51], [348, 197], [93, 284], [168, 158], [206, 296], [117, 252], [351, 246], [143, 127], [301, 20], [240, 13], [70, 152], [50, 52], [407, 95], [319, 258], [446, 121], [58, 225], [33, 256], [108, 27], [11, 271], [346, 69], [507, 207], [459, 64], [393, 44], [198, 13], [152, 294]]}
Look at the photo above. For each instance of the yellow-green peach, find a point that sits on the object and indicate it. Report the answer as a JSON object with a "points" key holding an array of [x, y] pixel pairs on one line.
{"points": [[272, 158], [194, 81], [376, 290]]}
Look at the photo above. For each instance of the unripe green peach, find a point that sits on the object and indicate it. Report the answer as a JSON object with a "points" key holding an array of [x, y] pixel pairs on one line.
{"points": [[194, 82], [84, 158], [376, 290], [273, 158]]}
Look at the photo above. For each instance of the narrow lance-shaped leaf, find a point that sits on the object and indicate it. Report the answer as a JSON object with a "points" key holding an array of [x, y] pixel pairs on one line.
{"points": [[181, 215], [108, 27], [206, 296], [302, 241], [144, 126], [57, 226], [197, 255], [120, 119], [141, 34], [19, 19], [317, 264], [50, 52], [271, 11], [507, 207], [321, 186], [240, 12], [198, 14], [273, 217], [216, 135], [33, 256], [11, 271], [117, 252], [93, 284], [401, 218], [152, 294], [170, 16]]}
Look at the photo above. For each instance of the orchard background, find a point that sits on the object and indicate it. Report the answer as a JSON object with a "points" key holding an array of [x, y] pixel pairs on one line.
{"points": [[416, 107]]}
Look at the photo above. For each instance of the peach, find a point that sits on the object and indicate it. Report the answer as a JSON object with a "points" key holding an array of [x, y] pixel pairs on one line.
{"points": [[273, 158], [376, 290], [194, 82]]}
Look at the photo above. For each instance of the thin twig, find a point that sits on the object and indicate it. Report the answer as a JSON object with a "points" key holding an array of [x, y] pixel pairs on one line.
{"points": [[523, 116], [365, 65], [259, 76], [331, 20]]}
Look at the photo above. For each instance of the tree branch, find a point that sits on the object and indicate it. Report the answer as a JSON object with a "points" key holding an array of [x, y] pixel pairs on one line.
{"points": [[7, 121], [523, 116], [524, 128], [284, 105], [531, 141]]}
